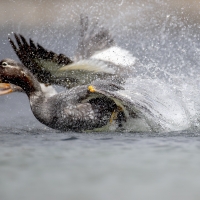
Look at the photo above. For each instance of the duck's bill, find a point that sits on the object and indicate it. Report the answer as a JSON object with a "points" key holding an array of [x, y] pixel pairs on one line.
{"points": [[5, 88]]}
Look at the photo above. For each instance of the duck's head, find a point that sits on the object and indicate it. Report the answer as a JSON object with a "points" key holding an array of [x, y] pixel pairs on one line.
{"points": [[17, 74], [10, 70], [5, 71]]}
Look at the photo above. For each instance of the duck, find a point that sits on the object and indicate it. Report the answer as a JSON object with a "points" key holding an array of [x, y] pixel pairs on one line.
{"points": [[101, 105], [105, 64], [77, 109]]}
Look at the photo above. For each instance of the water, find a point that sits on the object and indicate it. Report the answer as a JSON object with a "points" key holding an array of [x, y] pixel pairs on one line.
{"points": [[39, 163], [99, 166]]}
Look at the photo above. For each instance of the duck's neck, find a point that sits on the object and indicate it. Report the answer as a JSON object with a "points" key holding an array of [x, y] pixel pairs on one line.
{"points": [[38, 100], [27, 82]]}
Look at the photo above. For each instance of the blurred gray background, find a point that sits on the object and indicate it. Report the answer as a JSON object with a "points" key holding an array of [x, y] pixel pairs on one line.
{"points": [[51, 22]]}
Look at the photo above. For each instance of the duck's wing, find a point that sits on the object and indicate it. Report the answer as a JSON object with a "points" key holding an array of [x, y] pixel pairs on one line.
{"points": [[92, 38], [155, 108], [41, 62], [97, 43], [86, 71], [110, 90], [45, 65], [132, 108]]}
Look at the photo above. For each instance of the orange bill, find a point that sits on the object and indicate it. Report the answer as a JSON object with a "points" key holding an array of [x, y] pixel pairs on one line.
{"points": [[6, 88]]}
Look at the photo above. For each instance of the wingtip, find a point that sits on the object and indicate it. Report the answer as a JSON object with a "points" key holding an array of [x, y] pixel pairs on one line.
{"points": [[16, 35], [12, 44], [21, 36], [32, 44]]}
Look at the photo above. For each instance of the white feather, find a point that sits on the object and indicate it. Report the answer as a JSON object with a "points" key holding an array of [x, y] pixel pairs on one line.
{"points": [[91, 65], [48, 90], [116, 55]]}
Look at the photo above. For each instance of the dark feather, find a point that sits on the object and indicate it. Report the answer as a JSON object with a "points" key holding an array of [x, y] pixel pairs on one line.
{"points": [[34, 58]]}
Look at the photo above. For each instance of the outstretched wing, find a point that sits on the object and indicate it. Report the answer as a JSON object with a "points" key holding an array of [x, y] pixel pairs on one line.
{"points": [[45, 65], [41, 62], [92, 38]]}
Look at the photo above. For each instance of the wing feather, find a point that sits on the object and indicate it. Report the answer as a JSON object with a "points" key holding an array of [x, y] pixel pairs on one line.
{"points": [[41, 62]]}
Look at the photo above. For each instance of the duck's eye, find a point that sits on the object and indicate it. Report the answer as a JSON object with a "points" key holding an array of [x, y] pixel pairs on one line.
{"points": [[4, 64]]}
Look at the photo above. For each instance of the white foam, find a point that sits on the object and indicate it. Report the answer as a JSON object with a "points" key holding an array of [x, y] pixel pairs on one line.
{"points": [[160, 107]]}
